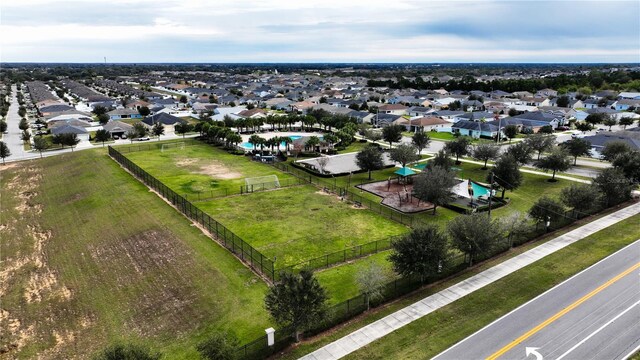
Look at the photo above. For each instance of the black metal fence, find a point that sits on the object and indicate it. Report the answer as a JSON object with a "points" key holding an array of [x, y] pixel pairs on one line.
{"points": [[342, 256], [220, 233], [244, 189]]}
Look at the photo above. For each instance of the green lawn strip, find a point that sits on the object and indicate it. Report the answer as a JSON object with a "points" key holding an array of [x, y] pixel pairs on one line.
{"points": [[298, 223], [318, 341], [135, 268], [353, 147], [202, 170], [436, 332], [340, 281]]}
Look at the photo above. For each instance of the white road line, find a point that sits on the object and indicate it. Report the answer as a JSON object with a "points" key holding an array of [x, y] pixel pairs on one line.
{"points": [[632, 352], [598, 330]]}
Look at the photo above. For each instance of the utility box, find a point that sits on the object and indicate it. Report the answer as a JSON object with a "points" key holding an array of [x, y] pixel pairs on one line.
{"points": [[270, 336]]}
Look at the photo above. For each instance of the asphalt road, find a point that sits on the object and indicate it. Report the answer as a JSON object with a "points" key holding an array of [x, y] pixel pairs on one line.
{"points": [[14, 134], [593, 315]]}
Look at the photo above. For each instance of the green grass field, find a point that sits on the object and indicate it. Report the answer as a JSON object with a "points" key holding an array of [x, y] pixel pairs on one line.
{"points": [[90, 256], [201, 169], [298, 223]]}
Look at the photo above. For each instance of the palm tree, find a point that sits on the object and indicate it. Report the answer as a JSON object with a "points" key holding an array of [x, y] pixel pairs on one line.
{"points": [[255, 140], [312, 142], [287, 141]]}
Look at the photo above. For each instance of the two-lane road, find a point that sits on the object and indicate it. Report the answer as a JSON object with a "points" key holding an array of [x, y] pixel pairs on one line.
{"points": [[593, 315]]}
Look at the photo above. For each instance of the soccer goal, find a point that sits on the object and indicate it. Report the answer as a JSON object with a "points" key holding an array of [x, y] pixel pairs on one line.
{"points": [[260, 183], [170, 146]]}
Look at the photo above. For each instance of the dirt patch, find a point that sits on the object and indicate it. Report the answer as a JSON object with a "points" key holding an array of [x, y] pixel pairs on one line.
{"points": [[4, 167], [186, 162], [219, 171], [321, 192], [153, 260], [209, 167]]}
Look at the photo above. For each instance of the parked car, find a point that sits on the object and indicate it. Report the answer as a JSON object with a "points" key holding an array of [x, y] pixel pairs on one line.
{"points": [[146, 138], [562, 128]]}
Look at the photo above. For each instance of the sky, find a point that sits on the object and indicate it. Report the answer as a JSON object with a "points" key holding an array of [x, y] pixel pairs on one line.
{"points": [[362, 31]]}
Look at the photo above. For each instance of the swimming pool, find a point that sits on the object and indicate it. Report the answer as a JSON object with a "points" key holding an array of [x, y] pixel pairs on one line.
{"points": [[479, 190]]}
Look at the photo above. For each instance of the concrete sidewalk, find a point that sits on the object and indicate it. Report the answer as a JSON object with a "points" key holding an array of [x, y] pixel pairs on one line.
{"points": [[402, 317]]}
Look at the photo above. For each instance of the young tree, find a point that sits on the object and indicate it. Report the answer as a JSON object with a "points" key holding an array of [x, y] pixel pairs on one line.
{"points": [[514, 224], [3, 126], [102, 136], [434, 186], [614, 186], [140, 129], [474, 234], [70, 140], [595, 119], [485, 152], [629, 164], [40, 144], [23, 125], [371, 280], [157, 130], [131, 134], [521, 152], [144, 111], [580, 197], [370, 158], [626, 121], [512, 112], [220, 346], [322, 163], [584, 126], [511, 131], [506, 173], [459, 147], [99, 110], [563, 101], [441, 159], [4, 151], [422, 252], [421, 140], [182, 128], [557, 160], [613, 149], [577, 147], [540, 142], [127, 352], [297, 301], [547, 129], [25, 136], [546, 209], [392, 133], [183, 99], [610, 121], [103, 119], [404, 154]]}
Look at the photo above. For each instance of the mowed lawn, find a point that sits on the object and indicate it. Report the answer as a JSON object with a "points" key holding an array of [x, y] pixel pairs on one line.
{"points": [[201, 169], [298, 223], [90, 257]]}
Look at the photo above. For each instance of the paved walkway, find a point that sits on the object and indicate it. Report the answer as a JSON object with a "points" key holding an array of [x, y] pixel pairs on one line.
{"points": [[400, 318]]}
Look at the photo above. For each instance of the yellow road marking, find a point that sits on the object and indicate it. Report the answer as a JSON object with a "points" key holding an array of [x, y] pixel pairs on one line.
{"points": [[562, 312]]}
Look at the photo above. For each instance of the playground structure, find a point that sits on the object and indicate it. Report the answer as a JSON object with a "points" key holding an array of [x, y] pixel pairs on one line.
{"points": [[397, 195]]}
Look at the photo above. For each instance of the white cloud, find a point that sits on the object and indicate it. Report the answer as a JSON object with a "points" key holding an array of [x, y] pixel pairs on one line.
{"points": [[320, 30]]}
